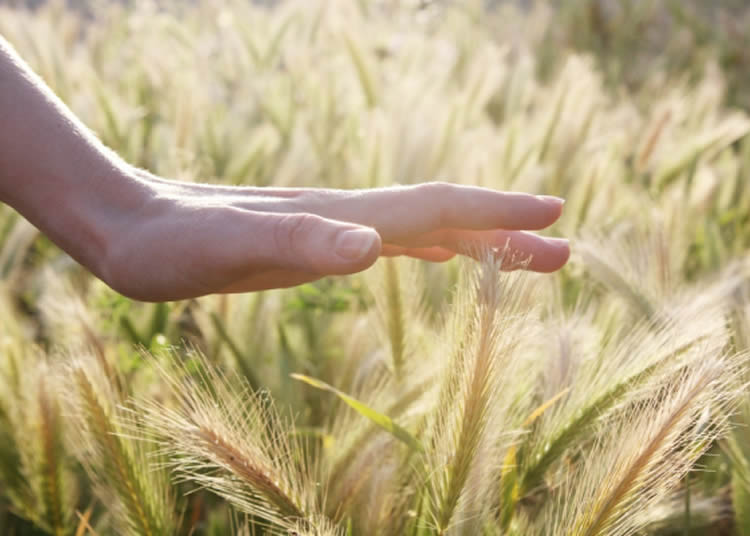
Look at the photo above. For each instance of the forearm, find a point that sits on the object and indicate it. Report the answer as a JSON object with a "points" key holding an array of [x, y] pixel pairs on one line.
{"points": [[54, 171], [157, 240]]}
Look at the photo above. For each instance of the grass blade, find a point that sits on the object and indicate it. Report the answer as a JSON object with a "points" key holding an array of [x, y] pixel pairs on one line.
{"points": [[383, 421]]}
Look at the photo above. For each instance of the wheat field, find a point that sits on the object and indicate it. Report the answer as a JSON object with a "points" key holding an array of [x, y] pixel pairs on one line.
{"points": [[609, 398]]}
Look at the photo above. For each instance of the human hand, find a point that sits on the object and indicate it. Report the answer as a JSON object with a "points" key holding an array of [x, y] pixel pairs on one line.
{"points": [[188, 240], [156, 240]]}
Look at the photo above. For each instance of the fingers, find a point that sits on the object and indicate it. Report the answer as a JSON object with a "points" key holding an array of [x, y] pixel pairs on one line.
{"points": [[311, 244], [545, 254], [404, 211]]}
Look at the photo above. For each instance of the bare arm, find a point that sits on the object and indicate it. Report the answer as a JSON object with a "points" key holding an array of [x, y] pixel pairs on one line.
{"points": [[155, 239], [54, 171]]}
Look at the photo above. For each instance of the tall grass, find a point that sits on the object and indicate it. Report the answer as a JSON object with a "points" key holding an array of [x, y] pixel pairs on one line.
{"points": [[609, 398]]}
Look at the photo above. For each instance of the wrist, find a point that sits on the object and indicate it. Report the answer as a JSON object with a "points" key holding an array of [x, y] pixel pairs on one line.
{"points": [[87, 212], [106, 212], [56, 173]]}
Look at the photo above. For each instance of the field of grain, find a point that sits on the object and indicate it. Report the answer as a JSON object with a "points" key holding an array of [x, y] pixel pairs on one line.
{"points": [[609, 398]]}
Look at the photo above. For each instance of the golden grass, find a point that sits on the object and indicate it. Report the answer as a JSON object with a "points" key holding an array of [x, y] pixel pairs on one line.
{"points": [[582, 402]]}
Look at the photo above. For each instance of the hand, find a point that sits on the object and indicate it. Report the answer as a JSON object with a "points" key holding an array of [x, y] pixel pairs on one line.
{"points": [[188, 240], [155, 240]]}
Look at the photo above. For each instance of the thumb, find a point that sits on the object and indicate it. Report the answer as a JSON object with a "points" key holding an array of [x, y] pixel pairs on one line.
{"points": [[318, 245]]}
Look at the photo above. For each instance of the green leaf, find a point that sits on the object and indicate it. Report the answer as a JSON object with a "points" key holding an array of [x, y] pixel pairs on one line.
{"points": [[385, 422]]}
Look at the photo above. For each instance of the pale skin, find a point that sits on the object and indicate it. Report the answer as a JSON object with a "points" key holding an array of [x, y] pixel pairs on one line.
{"points": [[155, 239]]}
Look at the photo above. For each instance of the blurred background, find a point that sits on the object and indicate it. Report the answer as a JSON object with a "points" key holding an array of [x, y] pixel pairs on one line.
{"points": [[628, 37], [636, 111]]}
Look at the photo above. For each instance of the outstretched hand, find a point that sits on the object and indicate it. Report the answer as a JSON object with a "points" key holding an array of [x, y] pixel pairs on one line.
{"points": [[156, 240], [188, 239]]}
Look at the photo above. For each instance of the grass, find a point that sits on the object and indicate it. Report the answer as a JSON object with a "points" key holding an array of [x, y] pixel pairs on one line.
{"points": [[607, 399]]}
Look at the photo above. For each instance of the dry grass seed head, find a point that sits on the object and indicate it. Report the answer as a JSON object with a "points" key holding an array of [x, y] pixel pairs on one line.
{"points": [[215, 432], [473, 408], [111, 447], [645, 451]]}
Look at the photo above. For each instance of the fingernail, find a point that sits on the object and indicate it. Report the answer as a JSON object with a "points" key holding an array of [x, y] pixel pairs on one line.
{"points": [[551, 199], [558, 242], [355, 244]]}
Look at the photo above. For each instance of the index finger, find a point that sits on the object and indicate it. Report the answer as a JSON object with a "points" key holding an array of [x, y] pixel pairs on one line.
{"points": [[406, 210]]}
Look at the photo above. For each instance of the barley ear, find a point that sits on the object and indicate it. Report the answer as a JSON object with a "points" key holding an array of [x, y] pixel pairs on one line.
{"points": [[137, 493], [219, 434]]}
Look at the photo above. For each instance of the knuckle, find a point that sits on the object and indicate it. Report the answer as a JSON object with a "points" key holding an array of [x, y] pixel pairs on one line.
{"points": [[293, 230], [438, 195]]}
